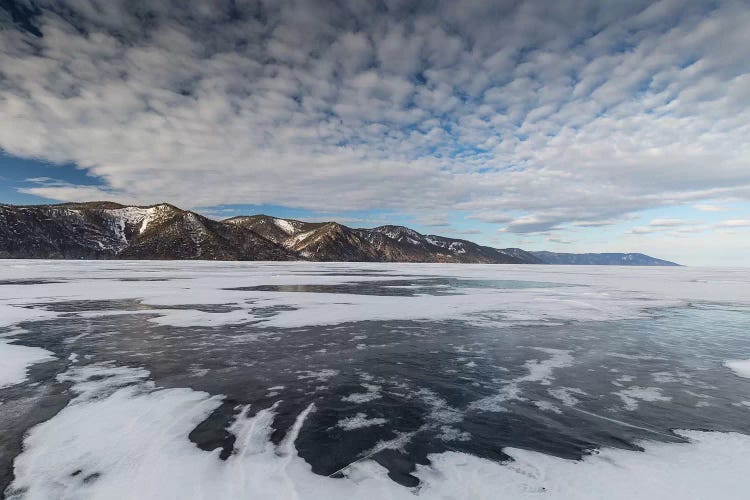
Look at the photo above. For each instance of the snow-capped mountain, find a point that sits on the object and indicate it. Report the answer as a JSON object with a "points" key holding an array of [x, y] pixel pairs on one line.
{"points": [[331, 241], [105, 230]]}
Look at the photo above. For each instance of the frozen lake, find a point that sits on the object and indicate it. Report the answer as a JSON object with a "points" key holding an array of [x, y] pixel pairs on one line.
{"points": [[327, 381]]}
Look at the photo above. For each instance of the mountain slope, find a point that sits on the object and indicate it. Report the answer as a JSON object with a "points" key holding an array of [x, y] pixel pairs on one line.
{"points": [[454, 250], [58, 231], [106, 230], [331, 241], [272, 228], [325, 241], [526, 257]]}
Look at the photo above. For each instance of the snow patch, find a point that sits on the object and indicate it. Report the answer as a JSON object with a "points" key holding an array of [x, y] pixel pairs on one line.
{"points": [[740, 367], [373, 393], [285, 226], [359, 421], [538, 372], [566, 395], [318, 376], [15, 361], [295, 240], [664, 471], [633, 394], [547, 406]]}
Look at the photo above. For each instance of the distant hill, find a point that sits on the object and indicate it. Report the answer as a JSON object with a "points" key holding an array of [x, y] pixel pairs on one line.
{"points": [[106, 230], [601, 259]]}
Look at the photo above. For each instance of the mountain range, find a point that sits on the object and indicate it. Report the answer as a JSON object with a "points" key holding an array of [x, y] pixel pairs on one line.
{"points": [[106, 230]]}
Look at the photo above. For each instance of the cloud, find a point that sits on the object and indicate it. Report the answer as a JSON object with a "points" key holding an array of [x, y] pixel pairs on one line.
{"points": [[61, 190], [560, 241], [710, 208], [674, 226], [520, 113], [594, 223], [493, 218], [531, 224], [698, 228], [734, 223], [667, 223], [435, 220]]}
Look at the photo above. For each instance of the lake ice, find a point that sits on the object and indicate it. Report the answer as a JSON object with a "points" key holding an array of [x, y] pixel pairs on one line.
{"points": [[309, 380]]}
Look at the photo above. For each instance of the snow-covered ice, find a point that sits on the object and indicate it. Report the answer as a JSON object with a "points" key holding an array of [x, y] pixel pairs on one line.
{"points": [[519, 359], [601, 293], [124, 438]]}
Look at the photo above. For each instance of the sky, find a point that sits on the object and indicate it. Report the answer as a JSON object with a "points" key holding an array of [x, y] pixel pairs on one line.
{"points": [[572, 126]]}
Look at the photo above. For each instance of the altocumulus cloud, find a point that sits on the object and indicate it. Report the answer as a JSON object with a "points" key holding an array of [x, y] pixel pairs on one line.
{"points": [[533, 114]]}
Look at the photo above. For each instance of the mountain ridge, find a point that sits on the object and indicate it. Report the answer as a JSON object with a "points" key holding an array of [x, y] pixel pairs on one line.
{"points": [[109, 230]]}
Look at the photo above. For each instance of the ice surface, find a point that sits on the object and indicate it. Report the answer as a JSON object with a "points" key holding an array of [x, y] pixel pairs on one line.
{"points": [[740, 367], [123, 438], [602, 293]]}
